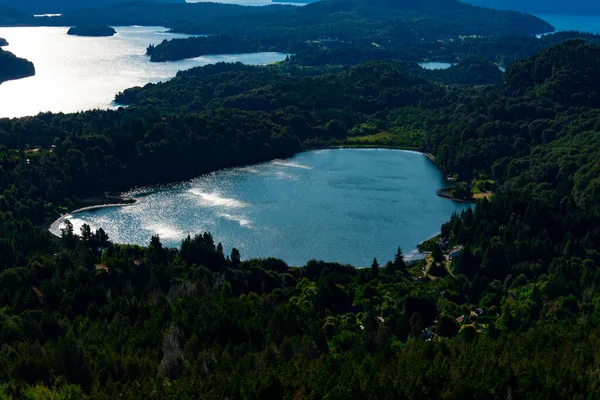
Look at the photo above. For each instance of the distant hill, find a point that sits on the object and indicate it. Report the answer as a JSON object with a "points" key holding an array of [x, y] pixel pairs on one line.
{"points": [[62, 6], [147, 13], [10, 16], [543, 6], [398, 21]]}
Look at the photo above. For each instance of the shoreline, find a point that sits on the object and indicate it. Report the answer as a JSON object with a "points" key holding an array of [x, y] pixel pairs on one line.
{"points": [[122, 201], [445, 193]]}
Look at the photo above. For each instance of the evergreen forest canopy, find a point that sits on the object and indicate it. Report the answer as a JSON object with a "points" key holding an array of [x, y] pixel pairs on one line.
{"points": [[515, 316]]}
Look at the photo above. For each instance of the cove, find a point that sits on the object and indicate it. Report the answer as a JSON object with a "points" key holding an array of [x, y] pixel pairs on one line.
{"points": [[82, 73], [338, 205]]}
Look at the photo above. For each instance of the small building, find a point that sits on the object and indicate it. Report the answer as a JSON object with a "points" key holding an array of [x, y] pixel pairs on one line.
{"points": [[456, 252], [460, 319]]}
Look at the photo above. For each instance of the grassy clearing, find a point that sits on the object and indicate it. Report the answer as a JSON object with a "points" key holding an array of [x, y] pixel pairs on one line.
{"points": [[405, 138], [482, 195]]}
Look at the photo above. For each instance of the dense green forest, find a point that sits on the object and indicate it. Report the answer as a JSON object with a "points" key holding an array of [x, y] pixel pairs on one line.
{"points": [[470, 71], [361, 30], [13, 67], [516, 315], [92, 30]]}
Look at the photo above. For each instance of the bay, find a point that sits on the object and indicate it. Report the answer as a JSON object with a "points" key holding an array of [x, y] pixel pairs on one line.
{"points": [[81, 73]]}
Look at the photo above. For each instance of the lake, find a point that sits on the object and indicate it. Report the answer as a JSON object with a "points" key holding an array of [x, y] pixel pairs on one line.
{"points": [[432, 65], [81, 73], [342, 205], [249, 2], [582, 23]]}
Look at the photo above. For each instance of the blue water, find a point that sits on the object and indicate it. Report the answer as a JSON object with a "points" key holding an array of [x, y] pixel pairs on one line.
{"points": [[432, 65], [342, 205], [582, 23]]}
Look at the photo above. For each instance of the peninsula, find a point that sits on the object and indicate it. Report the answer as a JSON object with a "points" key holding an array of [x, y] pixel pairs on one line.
{"points": [[13, 67]]}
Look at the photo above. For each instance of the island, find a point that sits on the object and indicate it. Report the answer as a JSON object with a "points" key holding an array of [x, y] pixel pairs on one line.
{"points": [[13, 67], [3, 42], [92, 30]]}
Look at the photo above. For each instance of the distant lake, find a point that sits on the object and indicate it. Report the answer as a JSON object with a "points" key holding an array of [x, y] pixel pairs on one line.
{"points": [[582, 23], [81, 73], [342, 205], [435, 65], [247, 2]]}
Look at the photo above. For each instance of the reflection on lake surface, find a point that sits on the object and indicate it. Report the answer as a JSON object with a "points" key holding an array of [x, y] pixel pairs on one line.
{"points": [[81, 73], [337, 205]]}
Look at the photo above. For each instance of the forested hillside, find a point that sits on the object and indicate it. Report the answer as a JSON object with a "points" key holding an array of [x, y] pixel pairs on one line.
{"points": [[358, 20], [13, 67], [517, 315]]}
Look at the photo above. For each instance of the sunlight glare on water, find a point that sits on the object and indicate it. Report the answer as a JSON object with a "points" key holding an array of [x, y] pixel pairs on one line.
{"points": [[81, 73]]}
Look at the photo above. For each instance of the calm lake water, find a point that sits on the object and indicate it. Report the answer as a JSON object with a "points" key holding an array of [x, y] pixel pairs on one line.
{"points": [[432, 65], [248, 2], [81, 73], [342, 205]]}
